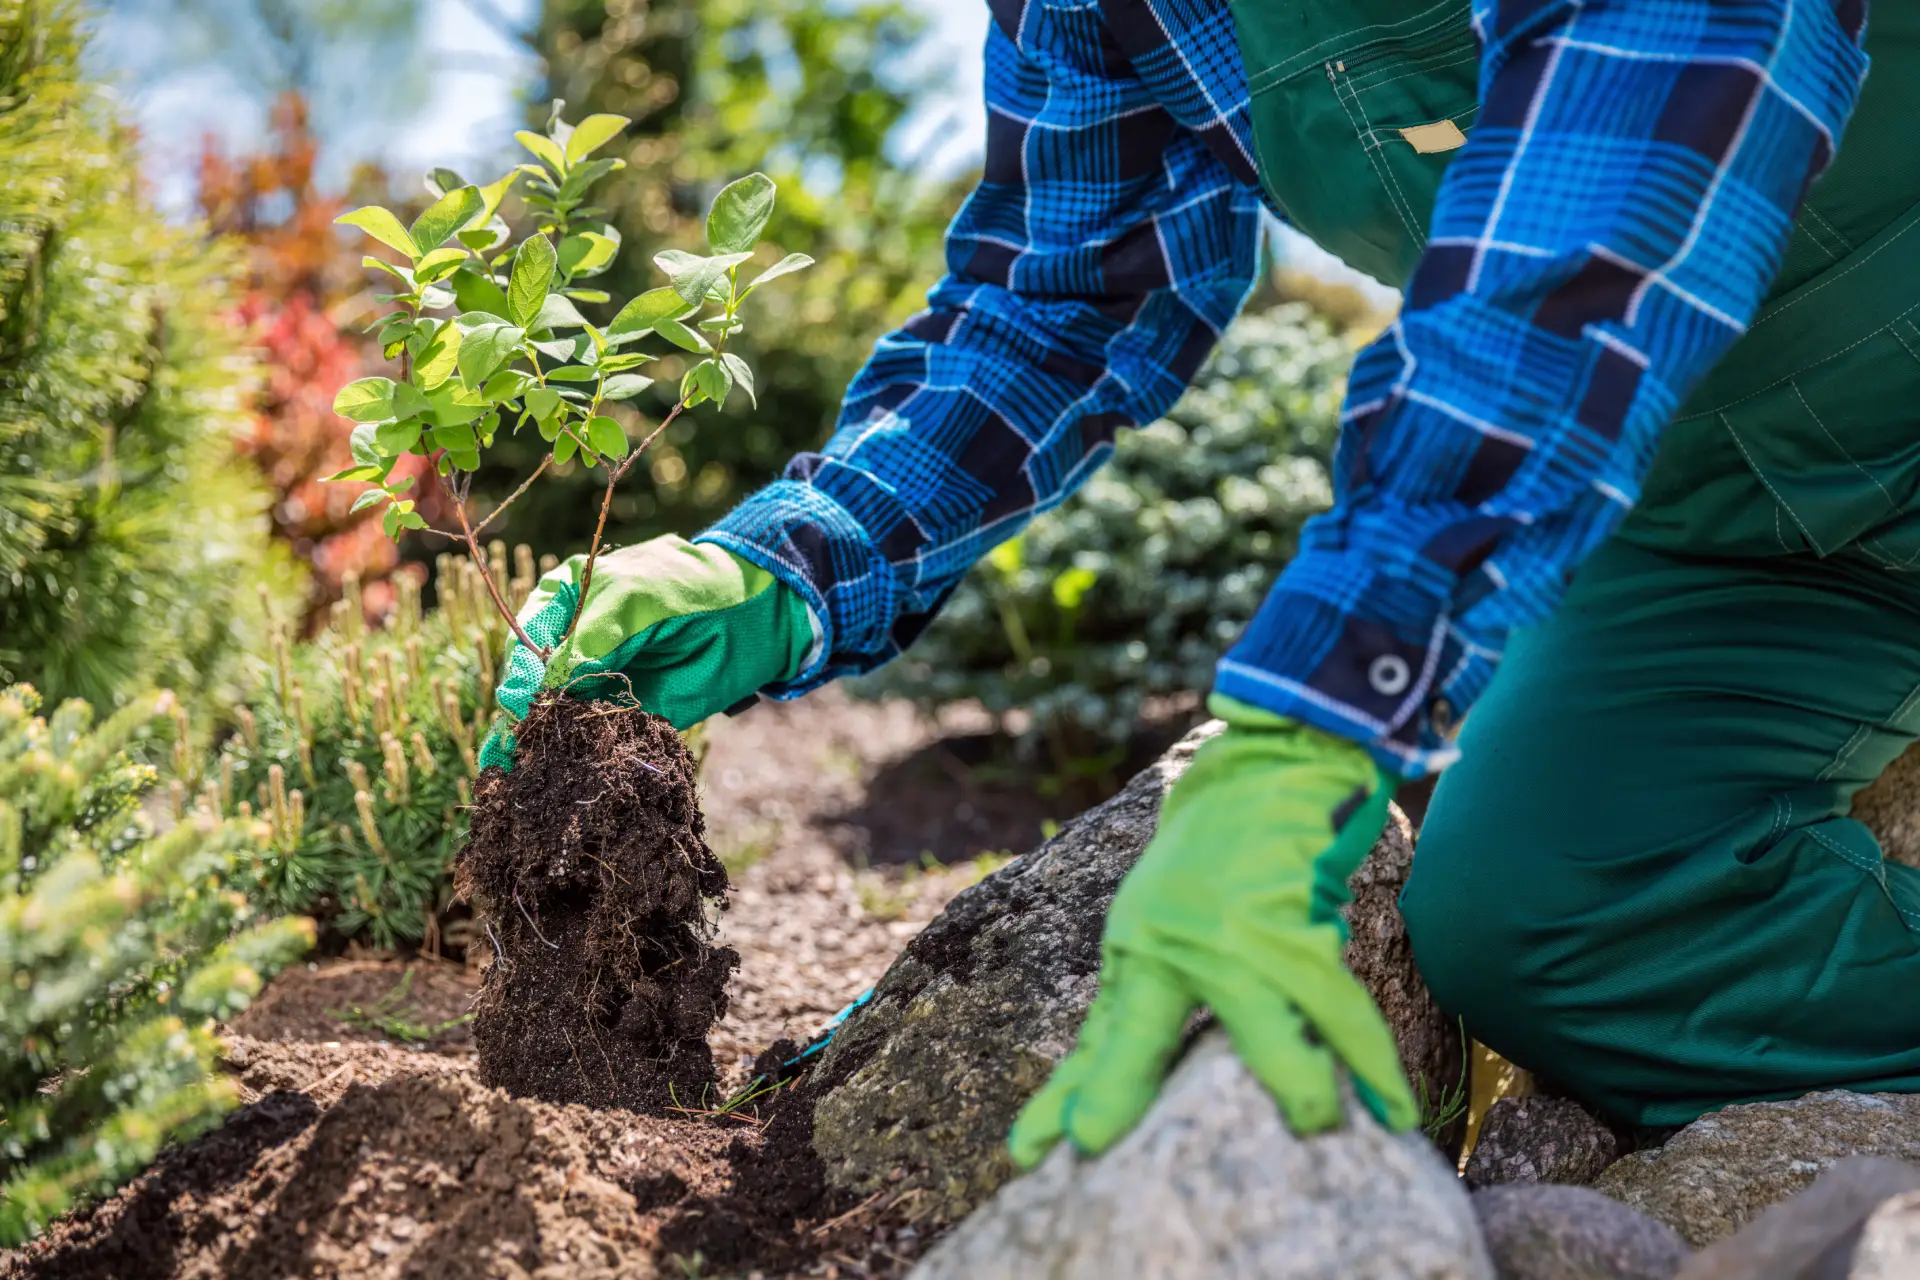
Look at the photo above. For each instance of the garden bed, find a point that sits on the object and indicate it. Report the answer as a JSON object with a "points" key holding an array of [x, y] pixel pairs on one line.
{"points": [[368, 1146]]}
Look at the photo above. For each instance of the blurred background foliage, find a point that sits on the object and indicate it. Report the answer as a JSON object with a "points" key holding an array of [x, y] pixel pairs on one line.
{"points": [[130, 536]]}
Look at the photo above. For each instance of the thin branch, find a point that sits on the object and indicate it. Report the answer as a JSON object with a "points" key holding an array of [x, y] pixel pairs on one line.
{"points": [[606, 502], [486, 571], [515, 495]]}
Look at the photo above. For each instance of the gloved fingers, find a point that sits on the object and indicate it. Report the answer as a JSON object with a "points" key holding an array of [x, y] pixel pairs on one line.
{"points": [[1043, 1121], [1146, 1004], [1346, 1019], [1271, 1038], [497, 750]]}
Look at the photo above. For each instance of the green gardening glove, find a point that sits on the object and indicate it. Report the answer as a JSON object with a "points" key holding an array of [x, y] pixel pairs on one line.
{"points": [[688, 629], [1235, 905]]}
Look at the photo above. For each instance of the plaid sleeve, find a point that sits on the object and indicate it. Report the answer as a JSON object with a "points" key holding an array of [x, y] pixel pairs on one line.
{"points": [[1089, 275], [1604, 237]]}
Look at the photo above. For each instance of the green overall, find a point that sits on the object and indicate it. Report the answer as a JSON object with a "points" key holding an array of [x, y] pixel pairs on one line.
{"points": [[1641, 879]]}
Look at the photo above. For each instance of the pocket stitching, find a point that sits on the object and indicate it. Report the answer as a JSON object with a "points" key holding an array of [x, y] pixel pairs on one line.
{"points": [[1401, 208], [1799, 524], [1307, 59], [1473, 55], [1720, 410]]}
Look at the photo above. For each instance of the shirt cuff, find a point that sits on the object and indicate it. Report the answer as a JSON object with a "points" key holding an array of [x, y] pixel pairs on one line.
{"points": [[1339, 646]]}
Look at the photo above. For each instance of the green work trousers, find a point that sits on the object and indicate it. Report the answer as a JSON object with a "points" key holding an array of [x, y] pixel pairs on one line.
{"points": [[1641, 881]]}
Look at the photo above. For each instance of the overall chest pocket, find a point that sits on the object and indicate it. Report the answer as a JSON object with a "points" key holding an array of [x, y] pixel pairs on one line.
{"points": [[1354, 131]]}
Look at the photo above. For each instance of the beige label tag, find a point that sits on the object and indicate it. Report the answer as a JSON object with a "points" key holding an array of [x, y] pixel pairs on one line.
{"points": [[1427, 139]]}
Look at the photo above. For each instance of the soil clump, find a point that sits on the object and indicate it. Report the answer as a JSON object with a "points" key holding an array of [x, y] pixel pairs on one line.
{"points": [[589, 867]]}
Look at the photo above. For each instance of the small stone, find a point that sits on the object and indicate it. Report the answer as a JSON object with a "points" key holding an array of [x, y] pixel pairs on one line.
{"points": [[1889, 1247], [1540, 1139], [1720, 1172], [1812, 1234], [1545, 1232], [1211, 1185], [1890, 808]]}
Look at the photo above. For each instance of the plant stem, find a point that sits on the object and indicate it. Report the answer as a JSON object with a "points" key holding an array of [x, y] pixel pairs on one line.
{"points": [[514, 496], [486, 571], [606, 502]]}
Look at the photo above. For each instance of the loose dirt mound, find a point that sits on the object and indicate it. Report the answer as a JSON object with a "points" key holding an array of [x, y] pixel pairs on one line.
{"points": [[590, 869], [409, 1168]]}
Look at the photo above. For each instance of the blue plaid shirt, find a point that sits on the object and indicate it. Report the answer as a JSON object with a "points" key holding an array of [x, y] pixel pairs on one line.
{"points": [[1606, 234]]}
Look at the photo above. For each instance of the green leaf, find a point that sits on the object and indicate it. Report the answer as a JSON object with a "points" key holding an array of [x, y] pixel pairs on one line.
{"points": [[624, 387], [592, 134], [442, 180], [478, 292], [384, 227], [715, 379], [414, 520], [445, 216], [381, 264], [458, 438], [481, 239], [785, 267], [584, 176], [390, 522], [435, 299], [407, 401], [365, 400], [586, 254], [508, 384], [439, 264], [485, 348], [565, 447], [572, 373], [356, 473], [365, 452], [532, 278], [632, 360], [693, 277], [542, 403], [681, 336], [366, 500], [574, 348], [545, 149], [490, 197], [742, 375], [557, 313], [639, 317], [739, 214], [451, 409], [437, 360], [589, 295], [396, 438], [605, 435]]}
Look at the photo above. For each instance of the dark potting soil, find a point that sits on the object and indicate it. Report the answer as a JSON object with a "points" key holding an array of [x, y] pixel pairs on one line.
{"points": [[589, 870]]}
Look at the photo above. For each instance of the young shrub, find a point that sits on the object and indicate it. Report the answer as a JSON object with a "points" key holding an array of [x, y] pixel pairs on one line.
{"points": [[358, 749], [126, 523], [515, 353], [1130, 590], [120, 945]]}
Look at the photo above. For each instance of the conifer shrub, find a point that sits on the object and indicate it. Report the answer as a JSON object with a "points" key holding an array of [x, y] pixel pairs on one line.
{"points": [[1130, 590], [125, 933], [125, 521]]}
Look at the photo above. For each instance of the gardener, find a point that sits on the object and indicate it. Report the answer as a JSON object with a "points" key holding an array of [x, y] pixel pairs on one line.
{"points": [[1640, 878]]}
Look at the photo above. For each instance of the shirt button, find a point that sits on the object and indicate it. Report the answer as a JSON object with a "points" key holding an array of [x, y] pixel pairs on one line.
{"points": [[1389, 674]]}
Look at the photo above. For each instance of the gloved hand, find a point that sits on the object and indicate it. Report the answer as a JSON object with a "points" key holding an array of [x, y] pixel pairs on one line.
{"points": [[692, 628], [1235, 906]]}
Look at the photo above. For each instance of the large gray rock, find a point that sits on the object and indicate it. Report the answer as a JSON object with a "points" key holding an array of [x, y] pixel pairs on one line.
{"points": [[1718, 1174], [1890, 807], [1811, 1236], [1542, 1232], [1379, 953], [1540, 1139], [1212, 1186], [917, 1091], [1889, 1247]]}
